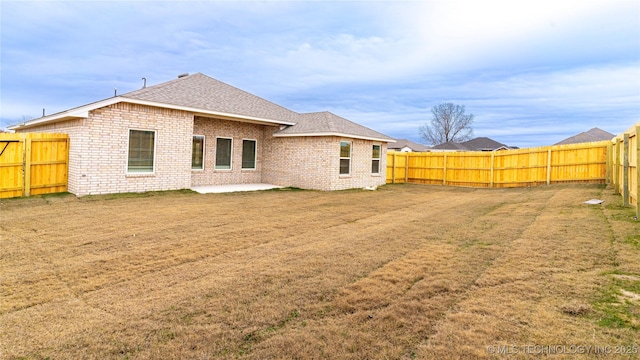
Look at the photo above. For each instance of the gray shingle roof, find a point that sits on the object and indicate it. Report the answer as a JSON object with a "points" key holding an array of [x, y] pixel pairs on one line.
{"points": [[476, 144], [451, 146], [203, 92], [327, 123], [483, 144], [594, 134], [401, 143]]}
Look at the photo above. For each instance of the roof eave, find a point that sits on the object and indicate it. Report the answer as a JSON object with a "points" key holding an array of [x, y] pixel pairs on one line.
{"points": [[204, 112], [83, 112], [351, 136]]}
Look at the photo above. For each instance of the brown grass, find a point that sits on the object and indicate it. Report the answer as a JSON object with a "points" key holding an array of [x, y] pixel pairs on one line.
{"points": [[407, 271]]}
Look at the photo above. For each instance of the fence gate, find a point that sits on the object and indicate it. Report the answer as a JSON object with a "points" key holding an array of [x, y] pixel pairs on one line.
{"points": [[33, 164]]}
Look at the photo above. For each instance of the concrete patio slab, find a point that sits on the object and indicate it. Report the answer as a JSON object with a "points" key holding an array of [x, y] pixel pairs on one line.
{"points": [[232, 188]]}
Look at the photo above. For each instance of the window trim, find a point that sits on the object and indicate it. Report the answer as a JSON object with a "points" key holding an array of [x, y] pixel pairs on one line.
{"points": [[345, 158], [155, 152], [379, 158], [204, 153], [255, 155], [215, 165]]}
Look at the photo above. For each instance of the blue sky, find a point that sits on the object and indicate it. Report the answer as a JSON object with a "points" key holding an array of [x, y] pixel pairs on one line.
{"points": [[532, 72]]}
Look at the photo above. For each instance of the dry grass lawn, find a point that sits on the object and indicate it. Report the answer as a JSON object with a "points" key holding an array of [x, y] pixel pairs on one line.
{"points": [[408, 271]]}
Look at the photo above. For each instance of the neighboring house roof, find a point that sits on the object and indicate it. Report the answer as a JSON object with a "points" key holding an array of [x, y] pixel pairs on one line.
{"points": [[484, 144], [476, 144], [404, 143], [450, 146], [594, 134], [203, 95]]}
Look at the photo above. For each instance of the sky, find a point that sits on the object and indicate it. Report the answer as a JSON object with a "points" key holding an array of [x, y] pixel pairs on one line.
{"points": [[531, 72]]}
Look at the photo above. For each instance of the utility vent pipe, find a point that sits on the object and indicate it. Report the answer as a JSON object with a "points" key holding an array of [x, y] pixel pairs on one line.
{"points": [[183, 75]]}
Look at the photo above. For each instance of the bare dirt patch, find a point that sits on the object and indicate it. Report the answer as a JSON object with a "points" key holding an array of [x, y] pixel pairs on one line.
{"points": [[406, 271]]}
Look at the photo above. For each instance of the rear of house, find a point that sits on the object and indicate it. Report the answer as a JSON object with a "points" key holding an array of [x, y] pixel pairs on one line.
{"points": [[196, 131]]}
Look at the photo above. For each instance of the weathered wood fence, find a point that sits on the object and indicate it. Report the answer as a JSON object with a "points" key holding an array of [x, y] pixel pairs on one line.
{"points": [[574, 163], [33, 164], [624, 154]]}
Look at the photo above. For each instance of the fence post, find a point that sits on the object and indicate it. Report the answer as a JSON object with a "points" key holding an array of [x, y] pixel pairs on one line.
{"points": [[549, 167], [625, 174], [637, 172], [26, 184], [406, 168], [393, 169], [616, 167], [493, 157], [444, 173], [608, 170]]}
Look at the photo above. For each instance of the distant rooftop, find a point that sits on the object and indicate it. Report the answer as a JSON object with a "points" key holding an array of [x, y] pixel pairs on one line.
{"points": [[594, 134]]}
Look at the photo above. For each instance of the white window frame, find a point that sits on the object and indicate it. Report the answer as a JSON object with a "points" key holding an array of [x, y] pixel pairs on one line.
{"points": [[204, 146], [255, 155], [215, 165], [345, 158], [155, 152], [379, 158]]}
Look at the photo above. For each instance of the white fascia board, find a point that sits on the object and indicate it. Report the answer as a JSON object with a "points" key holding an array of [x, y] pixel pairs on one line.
{"points": [[351, 136], [207, 112], [83, 112], [75, 113]]}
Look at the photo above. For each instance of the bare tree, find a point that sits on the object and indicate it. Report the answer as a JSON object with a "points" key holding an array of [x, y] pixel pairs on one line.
{"points": [[448, 123]]}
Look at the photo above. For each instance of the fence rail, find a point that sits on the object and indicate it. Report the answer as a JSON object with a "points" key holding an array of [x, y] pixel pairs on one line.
{"points": [[624, 153], [585, 163], [33, 164]]}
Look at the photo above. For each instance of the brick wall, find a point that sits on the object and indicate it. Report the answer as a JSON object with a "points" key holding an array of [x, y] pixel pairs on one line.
{"points": [[238, 131], [314, 163], [99, 149]]}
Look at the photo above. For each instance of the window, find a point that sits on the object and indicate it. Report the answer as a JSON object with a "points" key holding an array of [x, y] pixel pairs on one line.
{"points": [[248, 154], [223, 153], [141, 151], [345, 157], [197, 153], [375, 160]]}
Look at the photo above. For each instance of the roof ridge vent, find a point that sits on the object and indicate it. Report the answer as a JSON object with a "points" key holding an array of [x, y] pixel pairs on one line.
{"points": [[183, 75]]}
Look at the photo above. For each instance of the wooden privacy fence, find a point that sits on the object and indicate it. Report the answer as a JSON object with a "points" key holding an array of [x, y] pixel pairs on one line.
{"points": [[625, 152], [33, 164], [585, 163]]}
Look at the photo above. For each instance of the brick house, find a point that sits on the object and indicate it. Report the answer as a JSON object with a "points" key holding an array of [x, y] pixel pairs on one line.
{"points": [[196, 131]]}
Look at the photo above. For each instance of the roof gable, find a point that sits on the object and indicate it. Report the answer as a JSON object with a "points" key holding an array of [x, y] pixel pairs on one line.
{"points": [[328, 124], [483, 143], [203, 92], [594, 134], [402, 143]]}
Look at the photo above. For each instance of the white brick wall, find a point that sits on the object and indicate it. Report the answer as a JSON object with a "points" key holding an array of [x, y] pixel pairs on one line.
{"points": [[99, 150], [314, 163], [238, 131]]}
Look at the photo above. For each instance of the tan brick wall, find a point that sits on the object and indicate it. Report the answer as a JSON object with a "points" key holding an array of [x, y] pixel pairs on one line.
{"points": [[238, 131], [314, 163], [99, 149]]}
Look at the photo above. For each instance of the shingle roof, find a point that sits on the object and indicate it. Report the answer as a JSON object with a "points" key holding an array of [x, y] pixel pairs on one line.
{"points": [[203, 92], [476, 144], [401, 143], [327, 123], [200, 93], [451, 146], [594, 134], [483, 144]]}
